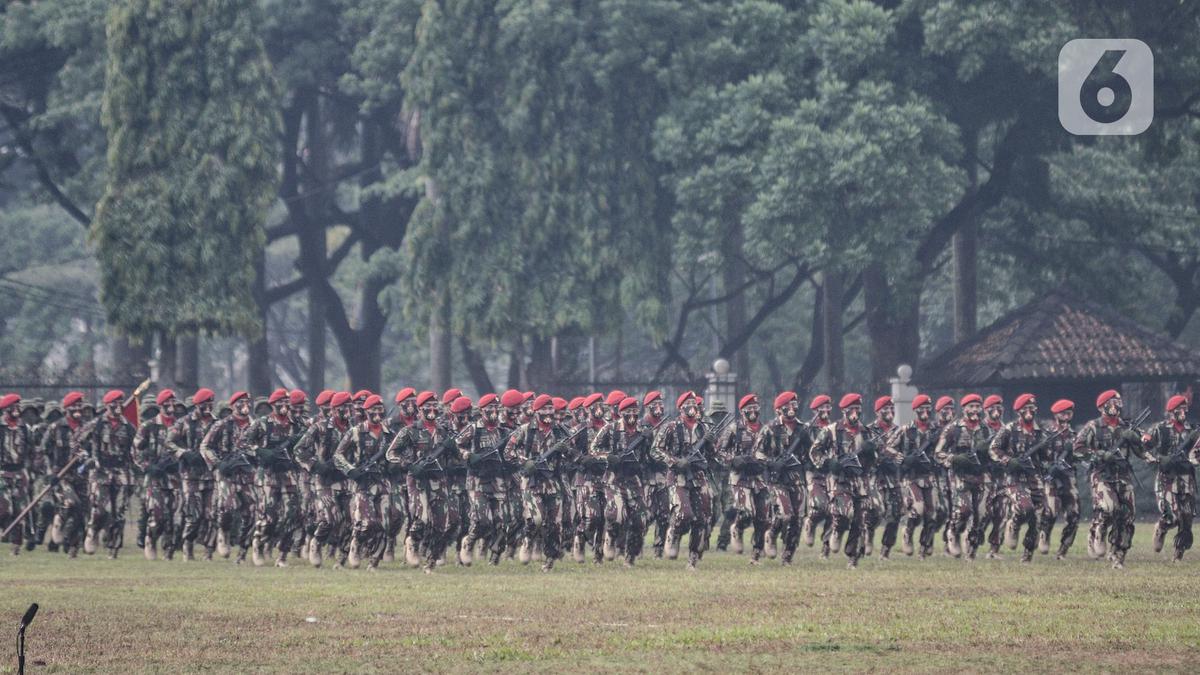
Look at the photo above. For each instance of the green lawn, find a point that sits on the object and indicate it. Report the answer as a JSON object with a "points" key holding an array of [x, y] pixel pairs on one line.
{"points": [[940, 614]]}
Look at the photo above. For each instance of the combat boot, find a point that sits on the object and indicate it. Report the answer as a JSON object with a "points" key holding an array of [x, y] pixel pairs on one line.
{"points": [[807, 532], [1043, 542], [577, 550], [885, 553], [223, 544], [1178, 557], [835, 541], [281, 561], [672, 544], [906, 542], [465, 551], [494, 558], [755, 555], [994, 553], [1160, 535], [149, 549], [1099, 547], [89, 541], [610, 551], [825, 550], [189, 548], [525, 553], [658, 552], [1026, 556], [1118, 560], [693, 558], [389, 553], [548, 565], [869, 545], [769, 545], [257, 555], [538, 554], [353, 560], [735, 538], [410, 553], [314, 553], [953, 547], [1010, 534]]}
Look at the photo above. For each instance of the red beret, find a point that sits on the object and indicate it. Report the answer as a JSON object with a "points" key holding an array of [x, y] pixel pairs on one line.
{"points": [[542, 401], [747, 400], [819, 400], [72, 398], [1104, 397], [451, 394], [575, 403], [236, 396], [460, 405], [560, 403], [992, 400], [9, 400], [203, 395], [849, 400], [425, 397], [324, 396], [512, 398], [592, 399], [942, 402], [683, 398], [372, 401], [920, 400], [340, 398], [627, 402], [403, 394], [113, 395], [651, 397], [296, 397], [362, 394], [528, 395], [1023, 400], [277, 395], [487, 399], [1062, 405], [784, 399], [164, 396], [970, 398], [881, 402], [614, 397], [1176, 401]]}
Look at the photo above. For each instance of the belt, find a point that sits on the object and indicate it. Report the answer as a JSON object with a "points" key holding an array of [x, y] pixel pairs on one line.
{"points": [[12, 467]]}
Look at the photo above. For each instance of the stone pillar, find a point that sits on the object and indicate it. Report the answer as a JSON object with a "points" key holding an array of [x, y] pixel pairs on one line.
{"points": [[903, 393], [721, 393]]}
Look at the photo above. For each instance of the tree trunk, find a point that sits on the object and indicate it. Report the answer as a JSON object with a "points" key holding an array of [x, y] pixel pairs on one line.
{"points": [[187, 375], [965, 255], [835, 366], [475, 368], [540, 376], [258, 357], [167, 361], [440, 342], [892, 326], [734, 275], [312, 235], [130, 360], [363, 365]]}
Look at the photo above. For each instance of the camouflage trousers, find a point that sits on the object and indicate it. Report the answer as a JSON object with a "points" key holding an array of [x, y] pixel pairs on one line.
{"points": [[624, 517], [787, 510], [849, 501], [433, 516], [109, 500], [278, 511], [818, 509], [514, 518], [923, 507], [1176, 509], [1023, 496], [567, 528], [725, 511], [541, 511], [968, 514], [70, 513], [14, 495], [236, 505], [884, 509], [329, 506], [997, 509], [1113, 509], [658, 512], [486, 521], [197, 508], [368, 505], [396, 514], [751, 507], [306, 520], [1061, 499], [589, 516], [159, 500], [691, 513]]}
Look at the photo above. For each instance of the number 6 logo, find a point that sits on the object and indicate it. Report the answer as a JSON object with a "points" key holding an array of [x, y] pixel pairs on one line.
{"points": [[1105, 87]]}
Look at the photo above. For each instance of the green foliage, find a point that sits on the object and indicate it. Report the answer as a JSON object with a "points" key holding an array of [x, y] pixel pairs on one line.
{"points": [[190, 111]]}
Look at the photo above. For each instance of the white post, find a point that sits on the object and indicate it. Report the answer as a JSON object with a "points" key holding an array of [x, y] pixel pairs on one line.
{"points": [[903, 394], [721, 392]]}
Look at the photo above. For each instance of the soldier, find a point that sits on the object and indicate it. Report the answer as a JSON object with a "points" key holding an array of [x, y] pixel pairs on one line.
{"points": [[1018, 447], [314, 451], [34, 524], [158, 463], [945, 413], [958, 450], [1168, 444], [448, 398], [817, 480], [358, 456], [395, 478], [184, 440], [994, 480], [622, 446], [225, 453], [481, 446], [107, 441], [39, 467], [589, 485], [741, 449], [789, 441], [418, 449], [458, 420], [271, 438], [298, 410], [1106, 442], [685, 446], [69, 493], [840, 447], [14, 460], [910, 449], [561, 416], [1062, 493], [577, 411], [566, 478], [514, 520], [657, 500], [537, 447], [884, 483]]}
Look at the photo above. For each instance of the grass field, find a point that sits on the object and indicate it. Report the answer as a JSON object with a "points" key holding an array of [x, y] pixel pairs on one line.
{"points": [[941, 614]]}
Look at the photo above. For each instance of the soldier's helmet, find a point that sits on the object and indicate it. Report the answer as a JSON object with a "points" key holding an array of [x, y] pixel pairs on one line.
{"points": [[261, 406], [148, 409], [54, 412], [31, 412], [224, 409]]}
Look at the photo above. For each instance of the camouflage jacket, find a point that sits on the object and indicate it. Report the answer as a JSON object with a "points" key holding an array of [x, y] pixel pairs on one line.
{"points": [[272, 439], [152, 455], [1170, 448], [527, 444], [674, 442], [910, 449], [360, 445], [108, 442], [1013, 441], [847, 446], [15, 448], [959, 449], [482, 449], [623, 451], [184, 440], [1107, 447], [746, 450], [787, 440], [885, 472], [225, 442], [586, 469], [315, 449], [417, 442], [55, 450]]}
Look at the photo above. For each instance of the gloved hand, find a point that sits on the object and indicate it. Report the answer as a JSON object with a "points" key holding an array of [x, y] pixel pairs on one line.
{"points": [[528, 467], [354, 474], [737, 462], [909, 461], [1013, 464], [830, 464], [473, 458], [962, 462], [682, 465], [266, 456], [52, 480], [1130, 435]]}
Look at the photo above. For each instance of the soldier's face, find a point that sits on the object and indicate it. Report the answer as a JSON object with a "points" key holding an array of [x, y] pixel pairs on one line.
{"points": [[113, 409], [789, 410], [1028, 412], [205, 409], [375, 414], [1064, 417], [750, 412], [597, 411], [630, 416], [546, 414], [12, 412], [75, 411], [923, 412], [972, 410], [491, 413], [946, 414], [343, 412], [408, 408], [168, 405], [1180, 412], [690, 409], [824, 410], [1113, 406], [995, 412], [241, 407], [298, 410], [280, 408], [560, 416], [429, 411], [326, 411], [887, 413], [656, 408], [852, 413]]}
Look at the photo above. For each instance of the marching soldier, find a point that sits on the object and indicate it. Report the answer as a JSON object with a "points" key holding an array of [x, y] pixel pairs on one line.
{"points": [[418, 449], [817, 479], [271, 438], [314, 451], [14, 460], [910, 448], [537, 447], [945, 413], [1168, 445], [1018, 447], [589, 485], [69, 493], [958, 450], [1062, 492], [224, 450], [685, 446], [397, 520], [37, 522], [161, 470], [884, 483], [623, 447], [657, 501], [996, 514], [197, 480], [359, 456], [839, 447], [482, 448], [107, 441], [741, 450], [789, 441], [1107, 442], [458, 419]]}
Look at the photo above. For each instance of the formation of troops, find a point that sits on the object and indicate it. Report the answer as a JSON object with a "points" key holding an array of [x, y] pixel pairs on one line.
{"points": [[538, 477]]}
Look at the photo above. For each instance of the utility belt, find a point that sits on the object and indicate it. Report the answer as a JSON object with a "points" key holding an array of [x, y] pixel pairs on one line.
{"points": [[109, 463], [12, 466]]}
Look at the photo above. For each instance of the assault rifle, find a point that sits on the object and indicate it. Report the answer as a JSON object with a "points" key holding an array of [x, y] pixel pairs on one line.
{"points": [[1026, 458], [1178, 460], [540, 462], [788, 461], [920, 455], [851, 460], [420, 467], [696, 453], [644, 436]]}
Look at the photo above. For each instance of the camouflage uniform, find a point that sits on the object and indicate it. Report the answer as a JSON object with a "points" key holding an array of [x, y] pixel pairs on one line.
{"points": [[1022, 480], [839, 448], [225, 453], [958, 450], [271, 438], [328, 492], [161, 484], [1107, 445], [624, 451], [657, 500], [885, 504], [910, 449], [69, 496], [15, 457], [433, 516], [818, 513], [787, 484], [589, 494], [108, 442], [996, 511], [482, 448], [741, 448], [690, 493], [1170, 444], [1061, 492], [540, 490], [370, 503], [196, 481], [36, 523]]}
